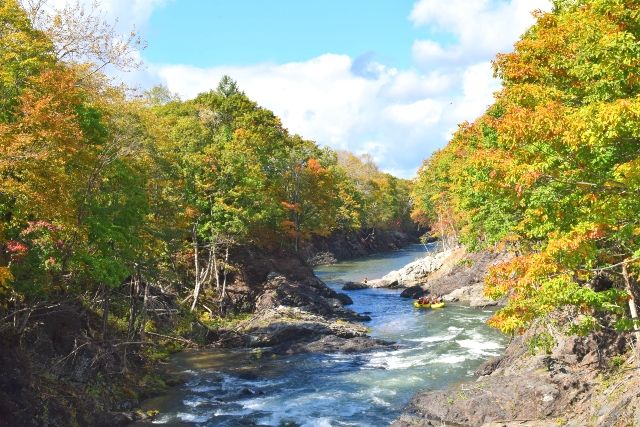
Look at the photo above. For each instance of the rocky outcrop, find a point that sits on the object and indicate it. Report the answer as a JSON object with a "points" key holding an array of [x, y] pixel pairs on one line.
{"points": [[413, 292], [354, 286], [301, 316], [572, 384], [414, 273], [473, 295], [454, 274], [341, 246], [463, 269]]}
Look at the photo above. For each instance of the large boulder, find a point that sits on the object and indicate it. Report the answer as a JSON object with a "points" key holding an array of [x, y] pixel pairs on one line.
{"points": [[413, 292], [413, 273], [344, 299], [472, 295], [354, 286]]}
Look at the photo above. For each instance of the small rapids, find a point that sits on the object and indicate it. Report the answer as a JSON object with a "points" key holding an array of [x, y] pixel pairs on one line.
{"points": [[436, 349]]}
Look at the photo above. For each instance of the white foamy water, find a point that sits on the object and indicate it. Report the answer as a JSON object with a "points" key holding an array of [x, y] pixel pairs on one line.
{"points": [[436, 349]]}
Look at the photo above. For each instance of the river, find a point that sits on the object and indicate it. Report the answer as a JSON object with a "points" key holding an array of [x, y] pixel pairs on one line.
{"points": [[436, 349]]}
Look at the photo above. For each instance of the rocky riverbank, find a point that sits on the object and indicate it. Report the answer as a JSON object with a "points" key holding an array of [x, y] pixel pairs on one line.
{"points": [[545, 377], [340, 246], [304, 315], [64, 368], [454, 274], [569, 381]]}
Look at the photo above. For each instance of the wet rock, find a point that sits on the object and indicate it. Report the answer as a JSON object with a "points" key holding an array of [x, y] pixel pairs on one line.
{"points": [[335, 344], [344, 299], [247, 392], [354, 286], [413, 292]]}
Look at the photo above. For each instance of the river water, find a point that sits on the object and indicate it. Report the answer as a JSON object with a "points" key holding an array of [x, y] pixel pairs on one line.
{"points": [[436, 349]]}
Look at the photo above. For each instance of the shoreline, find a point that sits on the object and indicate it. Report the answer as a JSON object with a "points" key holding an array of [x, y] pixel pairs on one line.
{"points": [[268, 352]]}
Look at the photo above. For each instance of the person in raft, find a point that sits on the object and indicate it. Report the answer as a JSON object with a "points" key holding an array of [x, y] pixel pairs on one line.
{"points": [[365, 281]]}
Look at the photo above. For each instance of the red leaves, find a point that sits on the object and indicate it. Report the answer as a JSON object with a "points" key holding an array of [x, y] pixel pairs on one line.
{"points": [[16, 248], [292, 207]]}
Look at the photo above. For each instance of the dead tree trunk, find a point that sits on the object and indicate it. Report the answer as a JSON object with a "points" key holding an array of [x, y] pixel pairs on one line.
{"points": [[196, 288], [224, 281], [632, 308], [145, 301], [223, 295], [133, 293], [105, 312], [216, 272]]}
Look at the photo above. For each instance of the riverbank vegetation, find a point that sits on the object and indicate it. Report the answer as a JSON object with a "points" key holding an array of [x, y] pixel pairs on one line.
{"points": [[129, 207], [550, 171]]}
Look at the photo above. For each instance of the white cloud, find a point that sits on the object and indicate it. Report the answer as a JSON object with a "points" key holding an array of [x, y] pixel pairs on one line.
{"points": [[320, 99], [480, 28], [398, 116], [425, 112], [128, 13]]}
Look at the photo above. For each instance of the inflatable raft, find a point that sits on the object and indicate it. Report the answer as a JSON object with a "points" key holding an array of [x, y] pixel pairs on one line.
{"points": [[417, 304]]}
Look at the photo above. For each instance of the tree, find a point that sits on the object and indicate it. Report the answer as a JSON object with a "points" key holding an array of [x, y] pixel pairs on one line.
{"points": [[549, 170]]}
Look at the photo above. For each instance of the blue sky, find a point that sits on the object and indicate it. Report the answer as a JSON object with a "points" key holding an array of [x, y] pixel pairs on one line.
{"points": [[390, 78], [244, 32]]}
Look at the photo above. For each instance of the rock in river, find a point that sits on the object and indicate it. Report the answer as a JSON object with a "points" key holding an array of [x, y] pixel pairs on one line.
{"points": [[413, 292], [354, 286]]}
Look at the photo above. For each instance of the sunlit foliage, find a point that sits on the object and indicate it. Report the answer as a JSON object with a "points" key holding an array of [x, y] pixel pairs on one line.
{"points": [[551, 170]]}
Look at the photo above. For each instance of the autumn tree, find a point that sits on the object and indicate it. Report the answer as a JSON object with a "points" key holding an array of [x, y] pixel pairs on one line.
{"points": [[549, 169]]}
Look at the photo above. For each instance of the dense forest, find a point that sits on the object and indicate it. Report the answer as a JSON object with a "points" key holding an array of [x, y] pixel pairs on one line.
{"points": [[99, 185], [550, 171], [121, 211]]}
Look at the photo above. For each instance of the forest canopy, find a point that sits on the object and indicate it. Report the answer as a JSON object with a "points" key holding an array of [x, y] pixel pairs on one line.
{"points": [[551, 171], [98, 185]]}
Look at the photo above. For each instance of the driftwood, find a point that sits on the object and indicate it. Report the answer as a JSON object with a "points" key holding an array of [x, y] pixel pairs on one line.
{"points": [[182, 340]]}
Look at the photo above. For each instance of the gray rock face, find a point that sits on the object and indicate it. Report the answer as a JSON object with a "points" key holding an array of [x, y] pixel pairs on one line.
{"points": [[560, 388], [413, 273], [472, 295], [293, 317], [492, 400]]}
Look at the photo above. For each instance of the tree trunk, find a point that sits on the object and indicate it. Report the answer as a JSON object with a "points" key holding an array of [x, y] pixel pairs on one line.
{"points": [[632, 308], [215, 264], [224, 281], [105, 313], [144, 311], [133, 291], [223, 296], [196, 288]]}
